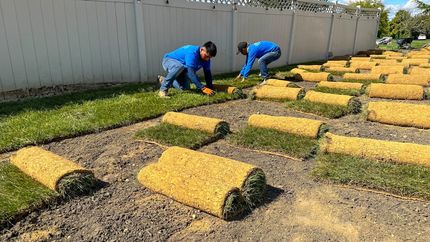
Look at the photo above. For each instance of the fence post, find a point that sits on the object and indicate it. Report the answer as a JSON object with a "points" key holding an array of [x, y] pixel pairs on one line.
{"points": [[357, 13], [292, 31], [234, 40], [330, 37], [141, 47]]}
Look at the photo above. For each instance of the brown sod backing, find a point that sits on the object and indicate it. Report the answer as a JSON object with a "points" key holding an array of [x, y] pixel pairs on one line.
{"points": [[280, 83], [415, 62], [297, 126], [314, 77], [419, 71], [363, 76], [357, 59], [386, 70], [362, 65], [311, 67], [277, 93], [422, 80], [396, 91], [401, 114], [342, 69], [234, 91], [387, 151], [342, 85], [206, 124]]}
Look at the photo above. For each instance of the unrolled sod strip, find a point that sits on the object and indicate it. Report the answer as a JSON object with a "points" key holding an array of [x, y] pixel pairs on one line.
{"points": [[280, 83], [363, 65], [380, 150], [297, 126], [55, 172], [311, 67], [234, 91], [353, 104], [206, 124], [386, 70], [402, 114], [363, 76], [396, 91], [314, 77], [212, 196], [342, 85], [277, 93], [422, 80]]}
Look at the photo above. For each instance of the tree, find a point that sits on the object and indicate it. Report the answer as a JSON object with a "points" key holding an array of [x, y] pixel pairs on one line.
{"points": [[401, 25], [384, 26], [425, 8]]}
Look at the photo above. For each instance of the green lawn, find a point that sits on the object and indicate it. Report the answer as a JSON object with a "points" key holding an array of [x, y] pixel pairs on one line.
{"points": [[349, 92], [405, 180]]}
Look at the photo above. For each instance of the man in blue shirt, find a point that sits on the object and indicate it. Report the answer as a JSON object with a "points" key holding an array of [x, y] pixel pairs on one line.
{"points": [[266, 51], [183, 63]]}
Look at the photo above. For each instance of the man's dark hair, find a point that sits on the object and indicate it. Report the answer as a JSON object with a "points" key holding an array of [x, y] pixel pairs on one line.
{"points": [[211, 48]]}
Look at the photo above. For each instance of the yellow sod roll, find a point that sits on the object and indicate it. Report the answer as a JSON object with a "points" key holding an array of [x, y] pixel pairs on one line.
{"points": [[402, 114], [420, 56], [363, 65], [326, 65], [342, 85], [277, 93], [415, 62], [311, 67], [211, 196], [378, 56], [392, 53], [358, 59], [50, 169], [404, 65], [297, 71], [419, 71], [334, 99], [297, 126], [314, 77], [422, 80], [206, 124], [379, 61], [396, 91], [234, 91], [362, 76], [387, 70], [339, 62], [342, 69], [280, 83], [397, 58], [424, 65], [381, 150]]}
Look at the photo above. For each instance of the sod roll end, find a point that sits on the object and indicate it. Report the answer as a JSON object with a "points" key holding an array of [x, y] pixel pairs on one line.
{"points": [[234, 91]]}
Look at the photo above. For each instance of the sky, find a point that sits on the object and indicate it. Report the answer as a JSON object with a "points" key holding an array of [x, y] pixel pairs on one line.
{"points": [[395, 5]]}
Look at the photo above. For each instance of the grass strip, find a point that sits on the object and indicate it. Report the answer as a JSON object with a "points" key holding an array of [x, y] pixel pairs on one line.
{"points": [[349, 92], [325, 110], [272, 140], [405, 180]]}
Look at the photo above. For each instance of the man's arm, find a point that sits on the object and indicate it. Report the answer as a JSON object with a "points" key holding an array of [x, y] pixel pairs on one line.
{"points": [[249, 62], [208, 75], [191, 65]]}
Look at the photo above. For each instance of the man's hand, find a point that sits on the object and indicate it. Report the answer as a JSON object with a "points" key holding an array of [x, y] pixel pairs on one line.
{"points": [[238, 77], [208, 91]]}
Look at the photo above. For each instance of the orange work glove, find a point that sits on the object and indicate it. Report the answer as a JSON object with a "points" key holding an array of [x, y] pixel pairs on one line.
{"points": [[208, 91]]}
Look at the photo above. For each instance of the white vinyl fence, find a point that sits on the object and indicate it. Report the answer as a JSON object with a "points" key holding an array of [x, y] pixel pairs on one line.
{"points": [[60, 42]]}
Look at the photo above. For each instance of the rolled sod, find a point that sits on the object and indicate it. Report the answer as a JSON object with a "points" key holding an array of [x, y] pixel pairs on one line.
{"points": [[314, 77], [422, 80], [210, 125], [401, 114], [392, 53], [363, 65], [396, 91], [297, 71], [297, 126], [311, 67], [342, 85], [415, 62], [424, 65], [342, 70], [277, 93], [386, 70], [419, 71], [363, 77], [420, 56], [280, 83], [385, 61], [378, 56], [356, 59], [353, 104], [55, 172], [234, 91], [397, 58], [338, 62], [387, 151]]}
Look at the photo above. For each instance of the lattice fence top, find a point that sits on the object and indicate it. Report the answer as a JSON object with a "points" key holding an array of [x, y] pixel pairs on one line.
{"points": [[299, 5]]}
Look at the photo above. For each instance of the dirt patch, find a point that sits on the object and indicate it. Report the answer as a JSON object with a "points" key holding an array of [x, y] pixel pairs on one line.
{"points": [[297, 208]]}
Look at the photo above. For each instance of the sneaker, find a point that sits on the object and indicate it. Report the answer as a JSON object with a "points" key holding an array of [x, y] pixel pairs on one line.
{"points": [[160, 78], [163, 94]]}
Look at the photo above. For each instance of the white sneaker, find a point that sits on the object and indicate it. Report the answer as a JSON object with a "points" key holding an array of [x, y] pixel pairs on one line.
{"points": [[163, 94], [160, 78]]}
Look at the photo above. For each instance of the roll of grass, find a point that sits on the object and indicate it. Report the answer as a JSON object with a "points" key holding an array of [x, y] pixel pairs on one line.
{"points": [[419, 71], [424, 65], [415, 62], [363, 65], [297, 71], [314, 77], [277, 93], [389, 61], [396, 91], [397, 58], [363, 77], [386, 70], [378, 56], [405, 65], [206, 124], [359, 59], [234, 91], [353, 104], [55, 172], [401, 114], [381, 150], [316, 68], [212, 196], [297, 126], [342, 85], [422, 80], [280, 83], [250, 179], [341, 70], [392, 53], [420, 56], [338, 62], [328, 64]]}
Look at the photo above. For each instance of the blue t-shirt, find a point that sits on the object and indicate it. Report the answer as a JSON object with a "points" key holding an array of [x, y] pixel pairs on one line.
{"points": [[189, 56], [257, 50]]}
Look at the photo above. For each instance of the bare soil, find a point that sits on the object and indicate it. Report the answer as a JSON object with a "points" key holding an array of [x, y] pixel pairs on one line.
{"points": [[297, 207]]}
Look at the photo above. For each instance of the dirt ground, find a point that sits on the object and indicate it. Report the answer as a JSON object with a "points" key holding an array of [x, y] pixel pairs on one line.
{"points": [[297, 207]]}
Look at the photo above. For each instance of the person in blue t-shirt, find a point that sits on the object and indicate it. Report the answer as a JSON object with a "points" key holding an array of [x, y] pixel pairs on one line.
{"points": [[266, 51], [181, 66]]}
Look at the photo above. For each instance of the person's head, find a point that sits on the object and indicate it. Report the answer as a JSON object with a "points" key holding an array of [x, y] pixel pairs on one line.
{"points": [[207, 51], [242, 47]]}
